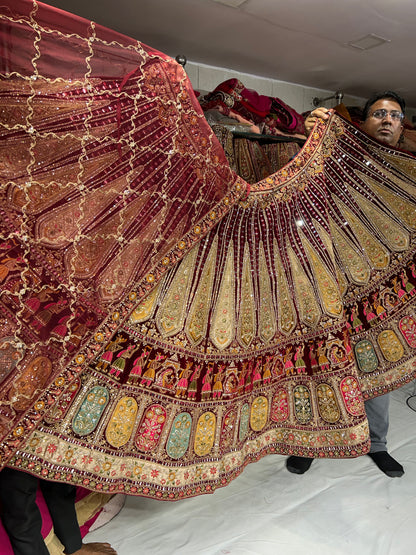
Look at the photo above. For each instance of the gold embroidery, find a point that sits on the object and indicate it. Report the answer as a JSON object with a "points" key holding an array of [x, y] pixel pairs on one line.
{"points": [[390, 345], [403, 208], [223, 318], [267, 313], [377, 254], [258, 414], [120, 427], [197, 320], [327, 286], [171, 314], [145, 309], [393, 234], [205, 434], [327, 403], [326, 239], [247, 315], [286, 314], [309, 311], [352, 258], [406, 165]]}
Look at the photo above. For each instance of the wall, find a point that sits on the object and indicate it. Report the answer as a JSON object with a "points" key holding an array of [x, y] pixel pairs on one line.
{"points": [[205, 78]]}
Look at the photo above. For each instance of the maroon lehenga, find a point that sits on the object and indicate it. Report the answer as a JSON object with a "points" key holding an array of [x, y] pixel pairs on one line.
{"points": [[162, 323]]}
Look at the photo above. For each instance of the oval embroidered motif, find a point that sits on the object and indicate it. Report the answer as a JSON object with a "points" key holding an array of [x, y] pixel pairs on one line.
{"points": [[280, 407], [390, 345], [327, 403], [228, 429], [258, 416], [180, 433], [302, 401], [59, 410], [244, 418], [150, 428], [407, 326], [205, 434], [366, 356], [27, 386], [351, 393], [89, 413], [120, 426]]}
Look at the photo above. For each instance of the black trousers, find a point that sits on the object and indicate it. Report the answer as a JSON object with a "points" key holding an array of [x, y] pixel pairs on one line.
{"points": [[21, 516]]}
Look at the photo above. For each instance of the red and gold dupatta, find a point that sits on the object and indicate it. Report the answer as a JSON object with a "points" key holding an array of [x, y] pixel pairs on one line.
{"points": [[161, 326]]}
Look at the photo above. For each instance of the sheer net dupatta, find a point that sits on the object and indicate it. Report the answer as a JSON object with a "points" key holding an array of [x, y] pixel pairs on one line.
{"points": [[160, 327], [109, 175]]}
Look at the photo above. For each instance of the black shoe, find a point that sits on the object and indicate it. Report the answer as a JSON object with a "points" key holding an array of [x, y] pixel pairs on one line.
{"points": [[387, 464], [298, 465]]}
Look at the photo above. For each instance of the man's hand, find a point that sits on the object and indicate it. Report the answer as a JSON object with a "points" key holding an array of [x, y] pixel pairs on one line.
{"points": [[95, 549], [321, 112]]}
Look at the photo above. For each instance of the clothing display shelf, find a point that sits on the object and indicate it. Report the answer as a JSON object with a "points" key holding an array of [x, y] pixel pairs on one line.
{"points": [[268, 138]]}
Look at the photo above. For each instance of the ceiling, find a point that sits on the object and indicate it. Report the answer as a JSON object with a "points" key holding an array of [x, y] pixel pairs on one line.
{"points": [[299, 41]]}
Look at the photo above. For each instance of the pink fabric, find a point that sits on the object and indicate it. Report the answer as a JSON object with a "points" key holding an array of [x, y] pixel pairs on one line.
{"points": [[257, 103], [272, 113], [5, 546]]}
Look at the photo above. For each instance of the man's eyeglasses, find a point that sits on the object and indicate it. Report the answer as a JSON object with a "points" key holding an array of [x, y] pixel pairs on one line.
{"points": [[382, 113]]}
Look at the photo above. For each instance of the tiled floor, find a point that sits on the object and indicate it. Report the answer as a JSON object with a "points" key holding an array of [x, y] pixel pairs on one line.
{"points": [[338, 507]]}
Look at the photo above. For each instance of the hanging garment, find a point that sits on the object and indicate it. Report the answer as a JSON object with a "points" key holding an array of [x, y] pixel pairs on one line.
{"points": [[163, 325], [251, 158], [271, 113]]}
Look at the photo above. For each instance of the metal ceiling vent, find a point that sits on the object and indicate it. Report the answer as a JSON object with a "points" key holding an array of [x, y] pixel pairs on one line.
{"points": [[231, 3], [368, 42]]}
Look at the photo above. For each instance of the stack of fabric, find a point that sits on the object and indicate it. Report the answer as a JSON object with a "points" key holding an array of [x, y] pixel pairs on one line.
{"points": [[267, 115]]}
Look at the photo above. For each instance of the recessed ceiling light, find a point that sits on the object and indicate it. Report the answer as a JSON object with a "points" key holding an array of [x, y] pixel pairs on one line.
{"points": [[231, 3], [367, 42]]}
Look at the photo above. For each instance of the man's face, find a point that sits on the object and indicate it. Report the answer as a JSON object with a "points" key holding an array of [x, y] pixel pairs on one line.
{"points": [[387, 130]]}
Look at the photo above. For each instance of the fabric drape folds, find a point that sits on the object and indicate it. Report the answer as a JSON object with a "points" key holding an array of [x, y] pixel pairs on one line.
{"points": [[162, 323]]}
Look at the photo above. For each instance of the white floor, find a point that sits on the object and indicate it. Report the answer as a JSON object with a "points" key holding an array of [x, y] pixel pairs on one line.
{"points": [[339, 507]]}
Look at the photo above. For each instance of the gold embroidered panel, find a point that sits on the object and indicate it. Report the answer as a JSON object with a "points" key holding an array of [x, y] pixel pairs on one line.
{"points": [[162, 323]]}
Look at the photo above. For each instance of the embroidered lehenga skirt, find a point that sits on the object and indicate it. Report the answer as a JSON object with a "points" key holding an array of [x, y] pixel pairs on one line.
{"points": [[162, 322]]}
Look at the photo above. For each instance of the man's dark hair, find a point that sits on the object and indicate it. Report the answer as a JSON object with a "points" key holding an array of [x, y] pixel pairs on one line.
{"points": [[388, 95]]}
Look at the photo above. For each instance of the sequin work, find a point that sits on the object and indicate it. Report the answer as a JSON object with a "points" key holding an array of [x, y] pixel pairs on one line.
{"points": [[162, 323]]}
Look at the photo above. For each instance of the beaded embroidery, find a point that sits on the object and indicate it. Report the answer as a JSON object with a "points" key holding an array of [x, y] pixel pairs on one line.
{"points": [[160, 326]]}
